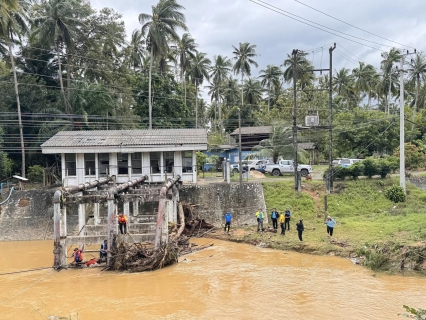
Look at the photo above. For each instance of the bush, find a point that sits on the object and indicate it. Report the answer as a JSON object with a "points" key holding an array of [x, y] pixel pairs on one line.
{"points": [[35, 173], [370, 168], [356, 170], [383, 168], [393, 163], [341, 173], [395, 194]]}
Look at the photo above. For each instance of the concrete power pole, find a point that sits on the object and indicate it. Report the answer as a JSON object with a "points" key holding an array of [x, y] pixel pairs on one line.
{"points": [[402, 123], [296, 175], [329, 182], [240, 162]]}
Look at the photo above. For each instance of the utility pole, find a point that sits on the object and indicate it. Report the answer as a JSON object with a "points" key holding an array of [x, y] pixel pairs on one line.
{"points": [[295, 163], [329, 182], [401, 123], [240, 162]]}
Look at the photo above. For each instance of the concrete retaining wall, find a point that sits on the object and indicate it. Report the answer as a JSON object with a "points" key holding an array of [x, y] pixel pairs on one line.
{"points": [[28, 214]]}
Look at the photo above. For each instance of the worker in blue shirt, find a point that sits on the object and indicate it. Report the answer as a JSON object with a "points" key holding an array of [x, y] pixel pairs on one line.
{"points": [[330, 225], [228, 219], [103, 251], [274, 217], [287, 215]]}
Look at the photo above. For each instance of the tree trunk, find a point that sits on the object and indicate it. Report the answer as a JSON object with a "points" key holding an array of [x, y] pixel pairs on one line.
{"points": [[61, 81], [415, 103], [18, 102], [390, 84], [196, 104], [68, 76], [184, 86], [220, 112], [149, 89], [269, 96]]}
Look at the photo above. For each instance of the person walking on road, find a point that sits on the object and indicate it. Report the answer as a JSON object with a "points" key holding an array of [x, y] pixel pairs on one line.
{"points": [[282, 220], [274, 217], [287, 215], [260, 216], [330, 225], [300, 228], [228, 219]]}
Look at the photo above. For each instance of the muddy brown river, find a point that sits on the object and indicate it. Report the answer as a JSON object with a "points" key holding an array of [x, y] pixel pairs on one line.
{"points": [[226, 281]]}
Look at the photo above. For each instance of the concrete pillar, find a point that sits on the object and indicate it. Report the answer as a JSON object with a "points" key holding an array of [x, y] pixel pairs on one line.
{"points": [[96, 214], [165, 227], [59, 251], [126, 211], [194, 166], [64, 222], [81, 217], [135, 209], [112, 225]]}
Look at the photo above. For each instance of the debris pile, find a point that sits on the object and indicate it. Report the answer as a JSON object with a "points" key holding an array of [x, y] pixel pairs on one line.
{"points": [[138, 257]]}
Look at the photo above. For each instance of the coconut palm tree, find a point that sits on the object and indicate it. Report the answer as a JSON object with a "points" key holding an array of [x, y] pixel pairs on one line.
{"points": [[14, 24], [303, 70], [343, 82], [270, 78], [135, 49], [244, 55], [57, 23], [185, 50], [219, 71], [231, 91], [363, 80], [200, 67], [160, 27], [389, 58], [253, 91], [417, 72]]}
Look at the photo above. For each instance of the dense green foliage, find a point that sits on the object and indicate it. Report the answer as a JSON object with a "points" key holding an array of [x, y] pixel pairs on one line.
{"points": [[395, 194], [76, 70]]}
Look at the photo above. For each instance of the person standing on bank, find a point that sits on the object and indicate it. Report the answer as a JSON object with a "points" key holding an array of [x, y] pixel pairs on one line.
{"points": [[260, 216], [274, 217], [122, 222], [103, 251], [282, 220], [330, 225], [287, 215], [228, 219], [300, 228]]}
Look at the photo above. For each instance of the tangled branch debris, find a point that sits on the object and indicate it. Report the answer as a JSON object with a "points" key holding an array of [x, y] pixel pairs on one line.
{"points": [[139, 257]]}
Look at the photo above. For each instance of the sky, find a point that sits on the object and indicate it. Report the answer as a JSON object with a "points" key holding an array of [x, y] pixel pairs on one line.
{"points": [[217, 25]]}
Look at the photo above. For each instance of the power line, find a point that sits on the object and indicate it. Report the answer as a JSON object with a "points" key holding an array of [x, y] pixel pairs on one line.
{"points": [[337, 35], [353, 25]]}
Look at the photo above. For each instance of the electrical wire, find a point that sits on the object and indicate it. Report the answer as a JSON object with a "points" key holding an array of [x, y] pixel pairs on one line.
{"points": [[353, 26], [337, 35]]}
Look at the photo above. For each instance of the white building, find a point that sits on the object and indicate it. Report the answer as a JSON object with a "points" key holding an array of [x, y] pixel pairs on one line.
{"points": [[127, 154]]}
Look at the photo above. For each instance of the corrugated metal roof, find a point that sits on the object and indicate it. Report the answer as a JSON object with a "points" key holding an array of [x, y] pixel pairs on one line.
{"points": [[253, 130], [307, 145], [127, 138]]}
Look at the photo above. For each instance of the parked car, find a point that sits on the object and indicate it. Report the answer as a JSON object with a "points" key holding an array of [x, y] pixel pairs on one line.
{"points": [[235, 167], [347, 162], [287, 166], [256, 164]]}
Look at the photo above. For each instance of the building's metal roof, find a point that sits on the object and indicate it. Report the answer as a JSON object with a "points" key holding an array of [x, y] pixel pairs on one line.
{"points": [[252, 130], [113, 138], [307, 145]]}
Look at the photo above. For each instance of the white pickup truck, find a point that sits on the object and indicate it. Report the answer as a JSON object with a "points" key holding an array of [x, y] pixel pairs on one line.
{"points": [[287, 166]]}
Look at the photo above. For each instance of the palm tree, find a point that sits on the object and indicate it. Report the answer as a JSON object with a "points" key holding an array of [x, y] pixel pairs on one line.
{"points": [[231, 91], [13, 25], [303, 70], [57, 23], [200, 66], [185, 49], [343, 82], [270, 78], [416, 72], [253, 91], [389, 58], [160, 27], [221, 67], [279, 144], [135, 50], [363, 79]]}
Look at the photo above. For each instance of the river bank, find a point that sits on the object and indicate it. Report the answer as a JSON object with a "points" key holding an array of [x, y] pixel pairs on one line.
{"points": [[370, 230]]}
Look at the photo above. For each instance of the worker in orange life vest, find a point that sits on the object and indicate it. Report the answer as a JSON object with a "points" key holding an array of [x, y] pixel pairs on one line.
{"points": [[122, 222], [78, 257]]}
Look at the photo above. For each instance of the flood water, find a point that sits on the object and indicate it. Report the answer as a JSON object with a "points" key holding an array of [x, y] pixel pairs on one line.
{"points": [[226, 281]]}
